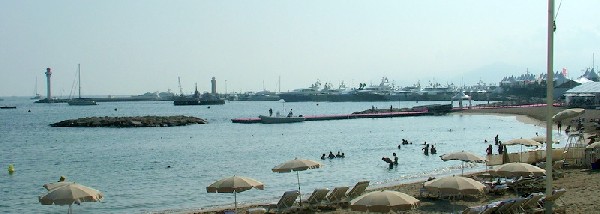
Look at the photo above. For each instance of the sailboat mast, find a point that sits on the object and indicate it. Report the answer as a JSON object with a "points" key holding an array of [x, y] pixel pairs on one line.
{"points": [[35, 88], [79, 80]]}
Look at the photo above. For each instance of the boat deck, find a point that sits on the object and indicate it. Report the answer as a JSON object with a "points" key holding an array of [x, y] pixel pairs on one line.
{"points": [[344, 116]]}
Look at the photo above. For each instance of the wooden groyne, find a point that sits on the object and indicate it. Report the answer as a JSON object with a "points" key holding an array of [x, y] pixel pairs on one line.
{"points": [[123, 122]]}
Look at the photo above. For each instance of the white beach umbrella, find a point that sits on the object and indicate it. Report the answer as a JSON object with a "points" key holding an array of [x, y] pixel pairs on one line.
{"points": [[518, 169], [463, 156], [297, 165], [234, 185], [594, 145], [522, 142], [455, 185], [384, 201], [70, 193], [567, 114], [542, 139], [51, 186]]}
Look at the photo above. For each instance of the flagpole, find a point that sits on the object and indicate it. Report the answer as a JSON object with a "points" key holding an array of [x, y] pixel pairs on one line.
{"points": [[549, 102]]}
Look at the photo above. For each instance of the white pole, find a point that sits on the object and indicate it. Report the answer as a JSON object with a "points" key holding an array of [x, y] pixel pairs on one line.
{"points": [[549, 102], [299, 193]]}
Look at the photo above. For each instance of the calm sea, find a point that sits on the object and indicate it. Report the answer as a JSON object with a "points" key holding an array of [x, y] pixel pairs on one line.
{"points": [[130, 165]]}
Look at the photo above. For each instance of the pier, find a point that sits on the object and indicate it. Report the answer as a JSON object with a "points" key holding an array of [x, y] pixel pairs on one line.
{"points": [[347, 116], [435, 109]]}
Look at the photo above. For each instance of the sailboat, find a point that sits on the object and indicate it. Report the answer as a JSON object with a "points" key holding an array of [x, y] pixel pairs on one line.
{"points": [[80, 101], [35, 92]]}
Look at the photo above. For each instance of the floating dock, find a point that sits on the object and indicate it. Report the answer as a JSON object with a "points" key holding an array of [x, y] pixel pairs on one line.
{"points": [[346, 116]]}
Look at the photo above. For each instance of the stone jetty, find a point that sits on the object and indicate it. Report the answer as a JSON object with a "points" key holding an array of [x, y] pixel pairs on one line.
{"points": [[123, 122]]}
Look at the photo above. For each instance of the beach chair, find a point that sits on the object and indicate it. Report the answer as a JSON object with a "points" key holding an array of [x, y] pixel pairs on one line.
{"points": [[516, 206], [556, 195], [556, 209], [532, 203], [286, 202], [337, 195], [504, 207], [489, 210], [357, 190], [317, 197]]}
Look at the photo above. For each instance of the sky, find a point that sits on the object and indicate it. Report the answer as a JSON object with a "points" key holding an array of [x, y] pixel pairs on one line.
{"points": [[129, 47]]}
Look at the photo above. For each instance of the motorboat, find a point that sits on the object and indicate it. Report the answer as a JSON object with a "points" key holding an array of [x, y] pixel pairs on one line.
{"points": [[272, 120]]}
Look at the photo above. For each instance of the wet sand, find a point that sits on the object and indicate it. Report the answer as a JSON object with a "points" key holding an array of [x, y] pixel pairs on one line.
{"points": [[582, 185]]}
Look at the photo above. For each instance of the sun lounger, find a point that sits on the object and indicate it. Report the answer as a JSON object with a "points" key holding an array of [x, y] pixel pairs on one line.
{"points": [[490, 210], [357, 190], [516, 206], [337, 195], [504, 207], [317, 197], [286, 201], [532, 202], [556, 195]]}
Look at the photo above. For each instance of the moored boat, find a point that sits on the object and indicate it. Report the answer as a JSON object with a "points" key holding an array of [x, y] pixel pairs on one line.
{"points": [[80, 101], [272, 120]]}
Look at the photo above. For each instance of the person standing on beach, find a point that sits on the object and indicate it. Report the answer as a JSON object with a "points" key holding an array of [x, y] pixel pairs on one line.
{"points": [[559, 124], [489, 150], [496, 140], [270, 112], [500, 147], [395, 159]]}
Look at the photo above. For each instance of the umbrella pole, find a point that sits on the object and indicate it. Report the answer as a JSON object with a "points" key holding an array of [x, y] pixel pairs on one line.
{"points": [[462, 168], [299, 193], [70, 211], [521, 155], [235, 200]]}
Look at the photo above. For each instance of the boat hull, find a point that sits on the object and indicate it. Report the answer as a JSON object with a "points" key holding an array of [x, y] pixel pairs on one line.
{"points": [[273, 120]]}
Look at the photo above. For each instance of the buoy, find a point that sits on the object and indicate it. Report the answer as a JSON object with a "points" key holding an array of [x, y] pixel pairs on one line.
{"points": [[11, 168]]}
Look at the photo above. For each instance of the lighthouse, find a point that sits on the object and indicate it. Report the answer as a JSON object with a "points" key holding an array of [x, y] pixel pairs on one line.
{"points": [[213, 82], [49, 83]]}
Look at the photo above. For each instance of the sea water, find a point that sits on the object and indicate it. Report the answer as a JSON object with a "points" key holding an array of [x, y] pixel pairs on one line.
{"points": [[167, 169]]}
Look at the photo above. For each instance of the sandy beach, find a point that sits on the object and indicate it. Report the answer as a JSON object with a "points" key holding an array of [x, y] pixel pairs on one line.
{"points": [[582, 185]]}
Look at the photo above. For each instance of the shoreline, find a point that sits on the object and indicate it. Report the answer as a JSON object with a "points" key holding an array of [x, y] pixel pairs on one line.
{"points": [[581, 193]]}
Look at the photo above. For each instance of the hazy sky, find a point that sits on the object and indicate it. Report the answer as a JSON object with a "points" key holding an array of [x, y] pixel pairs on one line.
{"points": [[128, 47]]}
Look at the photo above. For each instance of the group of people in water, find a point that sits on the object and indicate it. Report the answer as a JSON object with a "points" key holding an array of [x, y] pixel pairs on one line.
{"points": [[332, 156], [427, 148], [394, 160], [391, 162]]}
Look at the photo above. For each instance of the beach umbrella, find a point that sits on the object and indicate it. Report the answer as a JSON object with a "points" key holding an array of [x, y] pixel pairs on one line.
{"points": [[384, 201], [567, 114], [51, 186], [455, 185], [518, 169], [234, 185], [522, 142], [70, 193], [464, 157], [542, 139], [594, 145], [297, 165]]}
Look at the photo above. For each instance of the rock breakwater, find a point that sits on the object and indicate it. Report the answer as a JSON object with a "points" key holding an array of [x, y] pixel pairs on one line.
{"points": [[124, 122]]}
